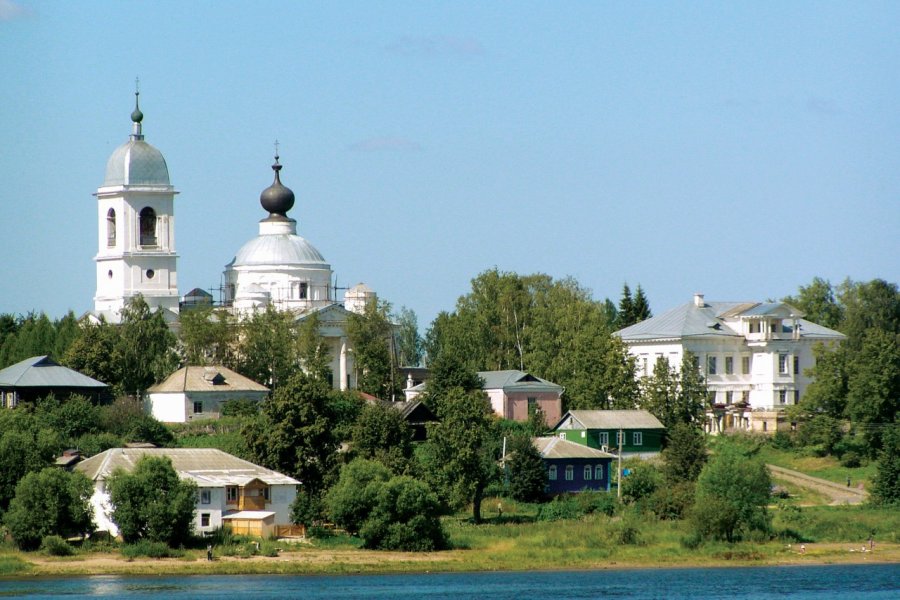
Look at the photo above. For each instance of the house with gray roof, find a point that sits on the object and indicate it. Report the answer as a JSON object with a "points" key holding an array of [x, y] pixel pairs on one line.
{"points": [[40, 376], [513, 394], [753, 355], [573, 467], [230, 489], [636, 433], [196, 392]]}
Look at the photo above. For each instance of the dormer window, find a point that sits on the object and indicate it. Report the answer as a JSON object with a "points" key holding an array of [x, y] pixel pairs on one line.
{"points": [[148, 227], [111, 228]]}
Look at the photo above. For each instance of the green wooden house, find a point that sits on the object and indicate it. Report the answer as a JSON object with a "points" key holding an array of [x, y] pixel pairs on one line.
{"points": [[600, 429]]}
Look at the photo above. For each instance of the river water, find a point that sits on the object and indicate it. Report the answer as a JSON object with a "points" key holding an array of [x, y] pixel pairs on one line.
{"points": [[868, 582]]}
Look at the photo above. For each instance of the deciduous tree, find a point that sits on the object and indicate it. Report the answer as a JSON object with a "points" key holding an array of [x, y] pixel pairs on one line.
{"points": [[49, 502]]}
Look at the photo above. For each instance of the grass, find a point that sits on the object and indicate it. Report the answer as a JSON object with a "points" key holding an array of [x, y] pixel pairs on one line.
{"points": [[799, 495], [13, 565]]}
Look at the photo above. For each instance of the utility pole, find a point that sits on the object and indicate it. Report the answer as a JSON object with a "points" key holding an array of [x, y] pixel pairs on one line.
{"points": [[621, 441]]}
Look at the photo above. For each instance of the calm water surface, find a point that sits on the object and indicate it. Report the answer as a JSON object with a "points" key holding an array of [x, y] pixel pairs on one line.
{"points": [[869, 582]]}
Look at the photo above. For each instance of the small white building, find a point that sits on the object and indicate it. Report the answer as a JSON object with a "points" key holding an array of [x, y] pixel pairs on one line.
{"points": [[229, 488], [754, 356], [199, 393]]}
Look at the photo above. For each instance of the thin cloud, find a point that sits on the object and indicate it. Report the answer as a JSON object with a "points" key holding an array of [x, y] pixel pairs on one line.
{"points": [[386, 144], [435, 45], [10, 10]]}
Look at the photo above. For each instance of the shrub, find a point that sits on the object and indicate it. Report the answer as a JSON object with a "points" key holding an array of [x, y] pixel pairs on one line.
{"points": [[673, 502], [560, 508], [851, 460], [627, 531], [150, 550], [56, 546], [643, 479], [51, 502], [405, 517]]}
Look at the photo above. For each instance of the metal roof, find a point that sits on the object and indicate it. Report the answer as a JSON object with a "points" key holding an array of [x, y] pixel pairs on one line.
{"points": [[250, 515], [206, 379], [554, 447], [513, 381], [609, 419], [136, 163], [208, 467], [44, 372], [710, 320]]}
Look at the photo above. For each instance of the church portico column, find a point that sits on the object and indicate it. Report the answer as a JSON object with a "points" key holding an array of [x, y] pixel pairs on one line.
{"points": [[342, 364]]}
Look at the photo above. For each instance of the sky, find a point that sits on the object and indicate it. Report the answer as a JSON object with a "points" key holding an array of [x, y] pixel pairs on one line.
{"points": [[737, 149]]}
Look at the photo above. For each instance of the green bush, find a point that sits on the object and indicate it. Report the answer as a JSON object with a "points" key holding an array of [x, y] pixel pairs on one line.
{"points": [[56, 546], [150, 550], [851, 460], [560, 508], [672, 502]]}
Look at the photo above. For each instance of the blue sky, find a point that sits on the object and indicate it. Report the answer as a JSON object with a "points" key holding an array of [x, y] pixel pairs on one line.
{"points": [[735, 149]]}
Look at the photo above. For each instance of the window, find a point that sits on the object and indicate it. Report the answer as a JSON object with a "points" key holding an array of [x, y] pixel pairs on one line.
{"points": [[231, 494], [150, 273], [562, 435], [782, 364], [604, 438], [198, 407], [774, 327], [644, 365], [637, 438], [782, 396], [265, 493], [754, 327], [111, 228], [598, 472], [587, 472], [304, 290], [745, 396], [570, 472], [148, 227], [796, 365], [551, 473], [729, 365], [532, 406], [204, 519], [205, 497], [745, 365], [710, 365], [728, 397]]}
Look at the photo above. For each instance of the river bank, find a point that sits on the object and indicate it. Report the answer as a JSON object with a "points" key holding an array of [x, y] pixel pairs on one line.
{"points": [[319, 561]]}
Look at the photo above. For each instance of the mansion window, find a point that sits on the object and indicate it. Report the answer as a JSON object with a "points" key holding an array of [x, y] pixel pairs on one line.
{"points": [[745, 396], [588, 471], [729, 365], [231, 493], [570, 472], [754, 327], [148, 227], [637, 438], [782, 396], [598, 472], [551, 473], [745, 365], [796, 365], [783, 364], [728, 397], [710, 365], [111, 228]]}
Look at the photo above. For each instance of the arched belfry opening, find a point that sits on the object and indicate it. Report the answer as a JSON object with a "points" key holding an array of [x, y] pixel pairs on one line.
{"points": [[148, 227], [111, 228]]}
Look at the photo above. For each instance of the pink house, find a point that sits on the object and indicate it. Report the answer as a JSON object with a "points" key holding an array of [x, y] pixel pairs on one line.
{"points": [[516, 394]]}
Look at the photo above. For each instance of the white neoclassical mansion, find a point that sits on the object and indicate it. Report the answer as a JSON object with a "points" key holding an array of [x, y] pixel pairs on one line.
{"points": [[754, 356]]}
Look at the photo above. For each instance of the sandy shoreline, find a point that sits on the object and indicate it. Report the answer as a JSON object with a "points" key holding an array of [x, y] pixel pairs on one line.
{"points": [[313, 561]]}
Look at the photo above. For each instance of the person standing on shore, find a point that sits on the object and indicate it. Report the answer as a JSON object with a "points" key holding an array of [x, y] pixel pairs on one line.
{"points": [[209, 552]]}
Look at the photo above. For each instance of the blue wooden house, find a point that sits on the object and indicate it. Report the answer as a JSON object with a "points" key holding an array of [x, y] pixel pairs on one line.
{"points": [[573, 467]]}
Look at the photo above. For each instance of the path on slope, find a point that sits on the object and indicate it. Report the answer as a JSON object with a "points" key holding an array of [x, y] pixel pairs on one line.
{"points": [[838, 493]]}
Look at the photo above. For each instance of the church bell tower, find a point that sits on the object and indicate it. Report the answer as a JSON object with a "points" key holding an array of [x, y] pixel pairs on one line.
{"points": [[136, 229]]}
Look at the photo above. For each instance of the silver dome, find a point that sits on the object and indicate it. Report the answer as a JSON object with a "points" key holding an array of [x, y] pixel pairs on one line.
{"points": [[136, 163], [279, 250]]}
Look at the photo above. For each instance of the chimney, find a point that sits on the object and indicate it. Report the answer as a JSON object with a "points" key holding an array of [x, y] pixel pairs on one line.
{"points": [[698, 300]]}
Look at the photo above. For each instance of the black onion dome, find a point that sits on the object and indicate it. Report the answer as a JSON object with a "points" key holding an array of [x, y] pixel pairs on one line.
{"points": [[277, 199], [136, 115]]}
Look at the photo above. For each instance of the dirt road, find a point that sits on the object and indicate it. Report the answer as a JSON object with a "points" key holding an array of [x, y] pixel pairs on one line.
{"points": [[838, 493]]}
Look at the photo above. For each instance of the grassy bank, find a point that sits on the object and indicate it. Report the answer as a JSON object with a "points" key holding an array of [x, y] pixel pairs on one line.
{"points": [[517, 542]]}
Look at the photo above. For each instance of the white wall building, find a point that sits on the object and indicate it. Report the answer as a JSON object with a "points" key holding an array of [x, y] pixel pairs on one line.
{"points": [[195, 392], [754, 355], [136, 229], [227, 485]]}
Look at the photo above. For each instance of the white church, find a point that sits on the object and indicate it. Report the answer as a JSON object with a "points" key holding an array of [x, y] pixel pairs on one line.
{"points": [[136, 253]]}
